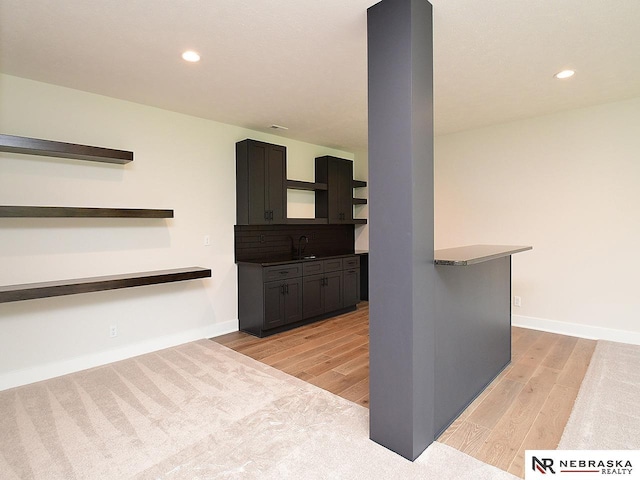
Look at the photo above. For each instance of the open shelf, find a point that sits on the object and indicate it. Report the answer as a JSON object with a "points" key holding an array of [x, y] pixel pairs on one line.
{"points": [[85, 212], [300, 185], [359, 183], [359, 201], [30, 291], [49, 148], [360, 221]]}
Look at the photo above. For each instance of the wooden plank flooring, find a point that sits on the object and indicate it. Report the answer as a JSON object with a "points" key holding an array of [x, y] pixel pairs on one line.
{"points": [[526, 407]]}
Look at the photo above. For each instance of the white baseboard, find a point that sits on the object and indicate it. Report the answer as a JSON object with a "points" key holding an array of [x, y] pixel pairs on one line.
{"points": [[576, 330], [63, 367]]}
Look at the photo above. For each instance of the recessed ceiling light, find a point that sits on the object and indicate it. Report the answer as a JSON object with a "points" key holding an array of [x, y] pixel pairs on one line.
{"points": [[564, 74], [191, 56]]}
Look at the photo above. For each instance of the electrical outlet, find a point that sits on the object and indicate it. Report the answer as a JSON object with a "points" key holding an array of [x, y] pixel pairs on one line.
{"points": [[207, 240], [113, 331], [517, 301]]}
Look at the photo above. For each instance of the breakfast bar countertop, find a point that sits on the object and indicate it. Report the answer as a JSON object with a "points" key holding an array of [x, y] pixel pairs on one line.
{"points": [[472, 254]]}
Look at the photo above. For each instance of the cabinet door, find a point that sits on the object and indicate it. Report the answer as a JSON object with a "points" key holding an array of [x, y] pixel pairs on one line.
{"points": [[274, 305], [257, 161], [312, 295], [351, 279], [261, 190], [335, 203], [333, 191], [333, 291], [345, 195], [293, 301], [276, 192]]}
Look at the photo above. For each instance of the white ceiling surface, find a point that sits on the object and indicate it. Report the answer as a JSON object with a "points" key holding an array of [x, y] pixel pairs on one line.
{"points": [[302, 63]]}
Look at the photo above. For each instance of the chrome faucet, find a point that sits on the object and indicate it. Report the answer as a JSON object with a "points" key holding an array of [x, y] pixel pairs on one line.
{"points": [[300, 247]]}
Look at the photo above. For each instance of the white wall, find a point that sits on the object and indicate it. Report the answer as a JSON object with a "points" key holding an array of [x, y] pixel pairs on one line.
{"points": [[180, 162], [569, 185]]}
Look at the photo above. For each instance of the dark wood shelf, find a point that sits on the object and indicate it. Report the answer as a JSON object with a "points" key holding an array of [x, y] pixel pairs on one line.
{"points": [[85, 212], [49, 148], [359, 183], [359, 201], [360, 221], [300, 185], [307, 221], [30, 291]]}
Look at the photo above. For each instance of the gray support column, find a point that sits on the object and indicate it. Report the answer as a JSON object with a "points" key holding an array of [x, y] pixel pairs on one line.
{"points": [[402, 274]]}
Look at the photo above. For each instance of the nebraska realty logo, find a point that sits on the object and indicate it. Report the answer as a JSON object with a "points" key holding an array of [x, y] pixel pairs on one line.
{"points": [[584, 464]]}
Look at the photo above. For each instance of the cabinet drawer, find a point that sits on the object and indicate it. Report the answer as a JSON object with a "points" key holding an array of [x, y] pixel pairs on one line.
{"points": [[332, 265], [351, 262], [312, 268], [293, 270]]}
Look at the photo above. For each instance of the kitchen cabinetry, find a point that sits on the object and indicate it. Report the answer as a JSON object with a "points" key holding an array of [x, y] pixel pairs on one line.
{"points": [[322, 287], [351, 281], [282, 302], [274, 298], [261, 192], [335, 203]]}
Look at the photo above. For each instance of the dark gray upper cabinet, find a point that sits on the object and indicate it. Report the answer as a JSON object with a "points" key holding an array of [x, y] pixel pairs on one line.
{"points": [[335, 203], [261, 191]]}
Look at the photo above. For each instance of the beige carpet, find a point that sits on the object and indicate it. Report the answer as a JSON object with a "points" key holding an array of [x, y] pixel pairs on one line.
{"points": [[200, 411], [606, 415]]}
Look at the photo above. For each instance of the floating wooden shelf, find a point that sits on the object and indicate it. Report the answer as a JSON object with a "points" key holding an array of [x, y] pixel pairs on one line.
{"points": [[49, 148], [300, 185], [359, 201], [86, 212], [30, 291], [360, 221], [308, 221], [359, 183]]}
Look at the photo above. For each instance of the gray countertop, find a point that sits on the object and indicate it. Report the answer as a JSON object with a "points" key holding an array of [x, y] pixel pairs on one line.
{"points": [[470, 254], [286, 259]]}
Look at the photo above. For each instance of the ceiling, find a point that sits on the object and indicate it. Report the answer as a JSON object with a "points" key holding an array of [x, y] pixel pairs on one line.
{"points": [[302, 64]]}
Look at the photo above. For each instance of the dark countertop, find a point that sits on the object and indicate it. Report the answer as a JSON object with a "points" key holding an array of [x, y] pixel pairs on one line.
{"points": [[286, 259], [470, 254]]}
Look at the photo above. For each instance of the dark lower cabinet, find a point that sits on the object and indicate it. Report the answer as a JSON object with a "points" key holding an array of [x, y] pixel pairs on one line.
{"points": [[322, 293], [282, 302], [351, 280], [312, 301], [274, 298], [333, 294]]}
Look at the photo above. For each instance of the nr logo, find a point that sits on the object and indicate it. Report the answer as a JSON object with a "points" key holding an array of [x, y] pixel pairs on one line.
{"points": [[542, 465]]}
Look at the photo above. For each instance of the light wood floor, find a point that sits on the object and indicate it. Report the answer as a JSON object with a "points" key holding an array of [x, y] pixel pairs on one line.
{"points": [[526, 407]]}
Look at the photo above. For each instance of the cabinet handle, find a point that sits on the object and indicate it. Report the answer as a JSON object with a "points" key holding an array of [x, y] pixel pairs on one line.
{"points": [[266, 214], [270, 214], [284, 272], [286, 289]]}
